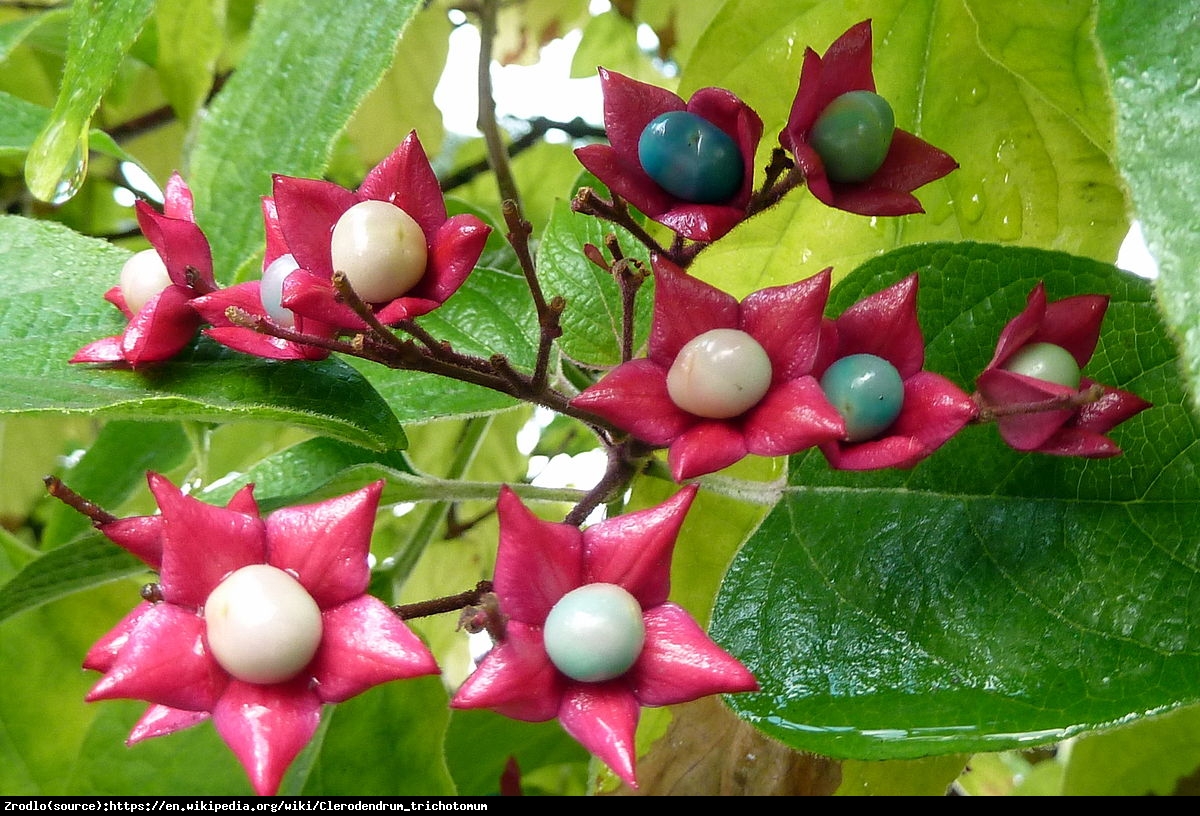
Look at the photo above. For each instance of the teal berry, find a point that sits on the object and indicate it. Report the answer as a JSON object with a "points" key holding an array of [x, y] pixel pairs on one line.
{"points": [[1047, 362], [852, 136], [594, 633], [690, 158], [867, 391]]}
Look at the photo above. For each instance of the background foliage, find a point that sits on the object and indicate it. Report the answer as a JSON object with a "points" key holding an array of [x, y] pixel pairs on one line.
{"points": [[995, 622]]}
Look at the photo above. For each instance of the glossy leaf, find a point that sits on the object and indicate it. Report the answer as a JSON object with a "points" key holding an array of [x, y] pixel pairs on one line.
{"points": [[985, 599], [1153, 71], [191, 34], [52, 305]]}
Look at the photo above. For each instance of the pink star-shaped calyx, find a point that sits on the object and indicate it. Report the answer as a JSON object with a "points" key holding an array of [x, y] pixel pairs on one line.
{"points": [[910, 162], [933, 409], [792, 413], [629, 106], [310, 209], [1073, 325], [168, 653], [162, 325], [538, 564]]}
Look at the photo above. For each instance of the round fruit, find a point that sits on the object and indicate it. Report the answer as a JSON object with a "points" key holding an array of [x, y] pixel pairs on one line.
{"points": [[595, 632], [262, 625], [380, 249], [270, 290], [690, 157], [852, 136], [867, 391], [143, 276], [1047, 362], [719, 374]]}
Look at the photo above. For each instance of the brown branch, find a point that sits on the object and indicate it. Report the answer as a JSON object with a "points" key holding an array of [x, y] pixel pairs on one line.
{"points": [[990, 413], [487, 124], [450, 603], [69, 497]]}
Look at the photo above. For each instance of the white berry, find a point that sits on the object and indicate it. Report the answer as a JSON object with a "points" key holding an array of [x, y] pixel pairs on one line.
{"points": [[143, 276], [263, 626], [380, 249], [270, 290], [595, 632], [719, 374]]}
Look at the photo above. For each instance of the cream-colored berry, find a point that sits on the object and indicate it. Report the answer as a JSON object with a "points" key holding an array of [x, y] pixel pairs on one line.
{"points": [[719, 374], [143, 276], [380, 249], [262, 625], [270, 290]]}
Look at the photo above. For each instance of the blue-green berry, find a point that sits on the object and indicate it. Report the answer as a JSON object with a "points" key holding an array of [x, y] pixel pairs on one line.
{"points": [[691, 158], [852, 136], [1048, 362], [867, 391], [595, 632]]}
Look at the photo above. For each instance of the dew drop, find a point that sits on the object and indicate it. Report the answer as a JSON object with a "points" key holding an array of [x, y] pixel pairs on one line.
{"points": [[56, 168], [977, 94], [971, 205]]}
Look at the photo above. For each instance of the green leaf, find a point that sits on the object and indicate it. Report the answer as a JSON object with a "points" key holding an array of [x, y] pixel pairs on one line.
{"points": [[409, 717], [592, 321], [43, 719], [305, 71], [1148, 757], [101, 33], [986, 599], [82, 564], [52, 305], [14, 32], [1016, 93], [190, 39], [931, 776], [479, 743], [403, 100], [30, 448], [192, 762], [312, 470], [1153, 70]]}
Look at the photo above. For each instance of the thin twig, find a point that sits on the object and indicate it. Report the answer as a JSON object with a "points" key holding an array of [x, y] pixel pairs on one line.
{"points": [[487, 124], [69, 497], [449, 603]]}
